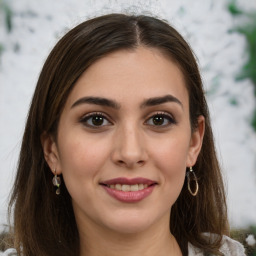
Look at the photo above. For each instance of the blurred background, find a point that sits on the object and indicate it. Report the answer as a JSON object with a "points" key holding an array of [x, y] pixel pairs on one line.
{"points": [[223, 36]]}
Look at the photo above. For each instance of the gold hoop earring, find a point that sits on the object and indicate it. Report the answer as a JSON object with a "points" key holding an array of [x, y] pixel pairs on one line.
{"points": [[56, 181], [194, 179]]}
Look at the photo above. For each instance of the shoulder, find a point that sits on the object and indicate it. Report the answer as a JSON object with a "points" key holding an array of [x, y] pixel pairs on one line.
{"points": [[9, 252], [229, 247]]}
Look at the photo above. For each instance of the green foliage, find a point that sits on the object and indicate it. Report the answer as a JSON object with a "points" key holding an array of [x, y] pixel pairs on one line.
{"points": [[249, 69], [254, 120], [233, 101], [241, 235], [232, 7], [7, 12], [1, 49], [248, 30]]}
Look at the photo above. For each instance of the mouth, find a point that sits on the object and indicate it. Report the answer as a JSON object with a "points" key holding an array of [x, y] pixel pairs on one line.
{"points": [[129, 190]]}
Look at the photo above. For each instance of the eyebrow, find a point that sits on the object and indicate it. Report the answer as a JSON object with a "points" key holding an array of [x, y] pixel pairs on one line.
{"points": [[97, 101], [113, 104], [160, 100]]}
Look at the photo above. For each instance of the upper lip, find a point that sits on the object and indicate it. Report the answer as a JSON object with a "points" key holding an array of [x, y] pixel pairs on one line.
{"points": [[128, 181]]}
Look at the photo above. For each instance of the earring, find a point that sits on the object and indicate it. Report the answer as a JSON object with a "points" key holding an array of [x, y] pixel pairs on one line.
{"points": [[56, 181], [194, 179]]}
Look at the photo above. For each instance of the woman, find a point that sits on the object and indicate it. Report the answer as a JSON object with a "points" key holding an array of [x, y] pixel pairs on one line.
{"points": [[118, 154]]}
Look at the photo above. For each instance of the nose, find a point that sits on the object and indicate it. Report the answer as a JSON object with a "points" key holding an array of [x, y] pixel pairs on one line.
{"points": [[129, 148]]}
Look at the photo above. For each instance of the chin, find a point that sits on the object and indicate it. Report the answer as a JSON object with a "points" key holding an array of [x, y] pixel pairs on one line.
{"points": [[131, 223], [130, 228]]}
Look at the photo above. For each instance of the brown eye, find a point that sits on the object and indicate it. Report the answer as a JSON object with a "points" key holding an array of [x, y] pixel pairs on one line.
{"points": [[158, 120], [161, 120], [95, 120]]}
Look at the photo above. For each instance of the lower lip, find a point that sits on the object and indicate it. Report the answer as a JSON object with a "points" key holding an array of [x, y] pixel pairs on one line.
{"points": [[131, 196]]}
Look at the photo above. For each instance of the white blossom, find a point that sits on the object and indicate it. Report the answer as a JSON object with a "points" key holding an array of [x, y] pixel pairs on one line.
{"points": [[250, 240]]}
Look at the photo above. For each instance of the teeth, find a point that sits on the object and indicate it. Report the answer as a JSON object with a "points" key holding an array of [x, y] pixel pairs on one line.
{"points": [[118, 187], [135, 187], [128, 188], [141, 186]]}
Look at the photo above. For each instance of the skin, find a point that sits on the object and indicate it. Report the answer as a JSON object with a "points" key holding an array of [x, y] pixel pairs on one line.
{"points": [[127, 143]]}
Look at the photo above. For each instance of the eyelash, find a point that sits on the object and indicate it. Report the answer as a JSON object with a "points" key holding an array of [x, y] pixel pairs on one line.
{"points": [[167, 118], [85, 119]]}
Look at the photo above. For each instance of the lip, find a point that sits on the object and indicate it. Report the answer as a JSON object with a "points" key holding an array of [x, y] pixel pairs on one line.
{"points": [[123, 180], [129, 196]]}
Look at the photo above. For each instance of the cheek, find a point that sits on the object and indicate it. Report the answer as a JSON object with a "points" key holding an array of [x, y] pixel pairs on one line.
{"points": [[172, 152], [81, 158], [170, 158]]}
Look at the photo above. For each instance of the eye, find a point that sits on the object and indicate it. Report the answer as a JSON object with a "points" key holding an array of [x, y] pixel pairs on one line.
{"points": [[161, 119], [95, 120]]}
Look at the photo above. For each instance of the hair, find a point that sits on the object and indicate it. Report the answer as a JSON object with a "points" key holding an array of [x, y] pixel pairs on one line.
{"points": [[44, 223]]}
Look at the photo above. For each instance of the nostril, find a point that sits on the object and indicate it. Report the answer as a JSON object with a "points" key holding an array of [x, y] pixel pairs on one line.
{"points": [[141, 162], [130, 163], [120, 162]]}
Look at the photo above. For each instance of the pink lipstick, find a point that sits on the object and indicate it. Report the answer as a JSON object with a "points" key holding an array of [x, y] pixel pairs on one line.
{"points": [[129, 190]]}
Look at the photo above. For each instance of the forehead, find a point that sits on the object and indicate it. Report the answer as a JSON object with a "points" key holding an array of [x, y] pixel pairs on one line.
{"points": [[131, 75]]}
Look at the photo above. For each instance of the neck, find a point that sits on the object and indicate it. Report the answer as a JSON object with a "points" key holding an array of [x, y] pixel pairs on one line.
{"points": [[154, 241]]}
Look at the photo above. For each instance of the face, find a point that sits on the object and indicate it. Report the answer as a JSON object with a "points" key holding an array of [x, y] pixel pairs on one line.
{"points": [[124, 141]]}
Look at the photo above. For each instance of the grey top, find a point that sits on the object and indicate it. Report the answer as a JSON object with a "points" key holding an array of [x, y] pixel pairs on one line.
{"points": [[229, 247]]}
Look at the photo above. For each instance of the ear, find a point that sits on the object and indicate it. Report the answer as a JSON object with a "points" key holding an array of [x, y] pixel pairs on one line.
{"points": [[51, 154], [196, 142]]}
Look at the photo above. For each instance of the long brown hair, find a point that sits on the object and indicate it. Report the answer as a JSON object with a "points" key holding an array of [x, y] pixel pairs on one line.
{"points": [[44, 223]]}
